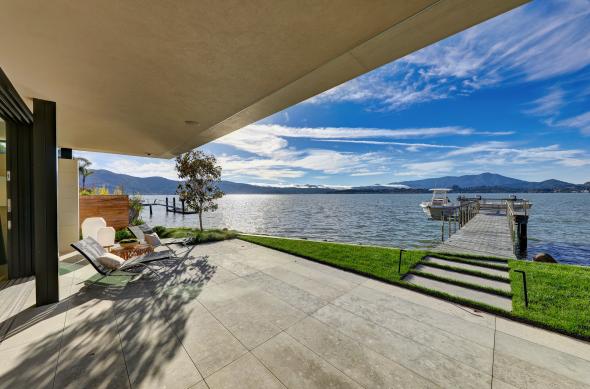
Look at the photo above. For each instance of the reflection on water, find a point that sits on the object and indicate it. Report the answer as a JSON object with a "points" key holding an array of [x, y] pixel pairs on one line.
{"points": [[559, 223]]}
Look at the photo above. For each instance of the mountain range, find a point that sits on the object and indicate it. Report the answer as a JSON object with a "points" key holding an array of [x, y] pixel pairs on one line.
{"points": [[482, 183]]}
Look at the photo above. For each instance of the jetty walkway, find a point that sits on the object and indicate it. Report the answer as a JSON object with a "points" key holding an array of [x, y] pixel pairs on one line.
{"points": [[487, 228], [487, 234]]}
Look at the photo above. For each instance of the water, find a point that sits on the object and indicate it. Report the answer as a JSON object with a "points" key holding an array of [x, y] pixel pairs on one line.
{"points": [[559, 223]]}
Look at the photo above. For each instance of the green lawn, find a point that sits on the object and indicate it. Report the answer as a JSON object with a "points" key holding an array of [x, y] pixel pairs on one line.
{"points": [[559, 295], [377, 262]]}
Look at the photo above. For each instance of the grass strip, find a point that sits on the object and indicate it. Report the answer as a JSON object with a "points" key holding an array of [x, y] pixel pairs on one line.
{"points": [[467, 271], [559, 295], [376, 262], [486, 289], [474, 263]]}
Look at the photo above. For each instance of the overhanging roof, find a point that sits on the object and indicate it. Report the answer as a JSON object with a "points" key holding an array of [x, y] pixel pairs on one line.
{"points": [[128, 75]]}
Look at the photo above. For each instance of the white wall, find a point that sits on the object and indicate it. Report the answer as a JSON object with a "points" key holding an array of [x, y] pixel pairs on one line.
{"points": [[68, 209]]}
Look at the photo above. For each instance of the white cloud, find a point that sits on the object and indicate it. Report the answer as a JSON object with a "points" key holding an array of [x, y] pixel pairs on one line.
{"points": [[413, 146], [581, 122], [540, 40], [549, 104]]}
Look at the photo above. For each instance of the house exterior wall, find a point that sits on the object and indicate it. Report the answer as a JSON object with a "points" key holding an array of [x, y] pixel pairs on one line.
{"points": [[68, 207]]}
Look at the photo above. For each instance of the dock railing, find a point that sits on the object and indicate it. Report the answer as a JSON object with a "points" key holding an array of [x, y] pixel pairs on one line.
{"points": [[517, 213], [516, 210], [457, 217]]}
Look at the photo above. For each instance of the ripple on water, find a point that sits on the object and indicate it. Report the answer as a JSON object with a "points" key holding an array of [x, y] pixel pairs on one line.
{"points": [[559, 223]]}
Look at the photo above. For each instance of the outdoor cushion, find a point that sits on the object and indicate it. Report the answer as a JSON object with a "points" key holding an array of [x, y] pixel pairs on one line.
{"points": [[106, 236], [153, 239], [111, 261]]}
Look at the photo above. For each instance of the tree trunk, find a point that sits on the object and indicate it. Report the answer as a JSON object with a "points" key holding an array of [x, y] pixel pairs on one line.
{"points": [[201, 220], [83, 182]]}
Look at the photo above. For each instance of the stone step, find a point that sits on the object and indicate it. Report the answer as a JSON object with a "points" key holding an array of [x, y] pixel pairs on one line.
{"points": [[477, 260], [481, 269], [475, 280], [493, 300]]}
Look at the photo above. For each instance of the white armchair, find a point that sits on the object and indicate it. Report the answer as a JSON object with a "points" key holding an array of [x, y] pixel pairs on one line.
{"points": [[96, 228], [106, 236]]}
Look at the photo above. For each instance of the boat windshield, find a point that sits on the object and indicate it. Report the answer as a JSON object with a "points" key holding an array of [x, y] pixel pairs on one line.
{"points": [[439, 196]]}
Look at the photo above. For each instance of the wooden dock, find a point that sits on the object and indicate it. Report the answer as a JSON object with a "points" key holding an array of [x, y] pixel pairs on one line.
{"points": [[486, 227], [169, 206], [486, 234]]}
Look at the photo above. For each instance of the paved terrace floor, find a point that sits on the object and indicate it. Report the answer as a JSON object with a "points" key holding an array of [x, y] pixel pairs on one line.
{"points": [[243, 316], [485, 234]]}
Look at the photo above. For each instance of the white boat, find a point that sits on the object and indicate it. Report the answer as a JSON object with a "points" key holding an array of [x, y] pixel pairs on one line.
{"points": [[439, 207]]}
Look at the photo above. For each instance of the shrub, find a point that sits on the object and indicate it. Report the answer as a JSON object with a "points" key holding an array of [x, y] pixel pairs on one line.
{"points": [[161, 231], [135, 207], [122, 234]]}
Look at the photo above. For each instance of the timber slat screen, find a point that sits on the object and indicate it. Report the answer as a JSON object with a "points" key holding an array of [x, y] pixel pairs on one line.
{"points": [[114, 209]]}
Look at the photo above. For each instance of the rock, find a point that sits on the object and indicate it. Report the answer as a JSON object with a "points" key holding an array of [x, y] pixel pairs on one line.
{"points": [[544, 257]]}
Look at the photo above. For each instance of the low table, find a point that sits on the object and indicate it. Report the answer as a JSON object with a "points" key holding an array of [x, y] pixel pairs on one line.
{"points": [[132, 251]]}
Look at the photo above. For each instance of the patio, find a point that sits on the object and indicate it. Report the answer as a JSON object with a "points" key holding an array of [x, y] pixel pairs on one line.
{"points": [[239, 315]]}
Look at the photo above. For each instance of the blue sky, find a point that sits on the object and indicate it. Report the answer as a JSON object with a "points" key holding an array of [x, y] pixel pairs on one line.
{"points": [[510, 96]]}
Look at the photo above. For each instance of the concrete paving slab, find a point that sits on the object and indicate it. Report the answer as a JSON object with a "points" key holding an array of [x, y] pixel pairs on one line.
{"points": [[257, 317], [455, 319], [321, 276], [451, 275], [504, 303], [210, 345], [91, 354], [432, 306], [355, 360], [321, 290], [493, 272], [292, 295], [348, 276], [383, 313], [30, 365], [25, 331], [520, 363], [217, 296], [154, 356], [373, 335], [298, 367], [246, 372], [565, 344], [424, 361]]}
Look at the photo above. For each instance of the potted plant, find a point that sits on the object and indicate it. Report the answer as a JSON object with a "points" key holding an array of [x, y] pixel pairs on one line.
{"points": [[129, 242]]}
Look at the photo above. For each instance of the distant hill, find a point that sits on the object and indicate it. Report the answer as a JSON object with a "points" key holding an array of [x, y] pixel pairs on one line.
{"points": [[482, 183], [164, 186], [487, 180]]}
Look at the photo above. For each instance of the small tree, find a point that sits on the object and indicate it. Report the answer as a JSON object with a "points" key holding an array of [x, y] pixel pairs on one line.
{"points": [[84, 170], [200, 177]]}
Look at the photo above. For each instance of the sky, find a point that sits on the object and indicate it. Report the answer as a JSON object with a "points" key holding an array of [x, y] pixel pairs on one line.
{"points": [[508, 96]]}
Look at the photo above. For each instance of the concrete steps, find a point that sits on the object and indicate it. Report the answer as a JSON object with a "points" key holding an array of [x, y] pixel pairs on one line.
{"points": [[465, 280], [465, 266]]}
